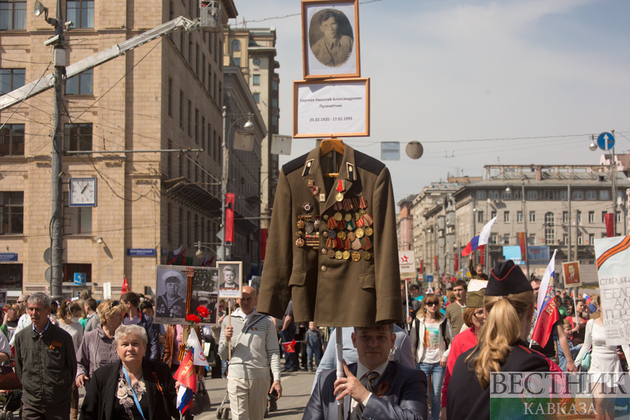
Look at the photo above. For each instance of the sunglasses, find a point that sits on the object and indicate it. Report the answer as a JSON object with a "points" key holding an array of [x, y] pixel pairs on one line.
{"points": [[114, 303], [431, 303]]}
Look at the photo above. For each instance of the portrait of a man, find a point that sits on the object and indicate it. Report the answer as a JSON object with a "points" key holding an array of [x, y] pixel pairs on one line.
{"points": [[331, 37], [571, 274], [171, 304]]}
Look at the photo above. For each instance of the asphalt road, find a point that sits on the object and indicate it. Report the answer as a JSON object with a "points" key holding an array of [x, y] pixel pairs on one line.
{"points": [[296, 390]]}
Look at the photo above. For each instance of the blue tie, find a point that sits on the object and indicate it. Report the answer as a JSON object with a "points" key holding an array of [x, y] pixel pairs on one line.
{"points": [[371, 377]]}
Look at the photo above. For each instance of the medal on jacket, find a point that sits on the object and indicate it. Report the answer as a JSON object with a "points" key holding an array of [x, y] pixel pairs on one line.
{"points": [[356, 256], [341, 186], [359, 232]]}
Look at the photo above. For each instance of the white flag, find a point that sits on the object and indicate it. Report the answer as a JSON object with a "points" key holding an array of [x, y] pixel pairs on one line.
{"points": [[199, 358]]}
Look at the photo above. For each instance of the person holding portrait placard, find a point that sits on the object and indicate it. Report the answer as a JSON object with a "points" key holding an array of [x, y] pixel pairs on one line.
{"points": [[229, 279], [334, 48], [171, 304]]}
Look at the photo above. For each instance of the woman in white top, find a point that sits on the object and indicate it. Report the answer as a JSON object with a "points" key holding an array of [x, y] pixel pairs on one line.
{"points": [[604, 359], [431, 338]]}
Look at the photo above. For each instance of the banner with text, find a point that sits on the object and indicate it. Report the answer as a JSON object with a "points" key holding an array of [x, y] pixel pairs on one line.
{"points": [[407, 263]]}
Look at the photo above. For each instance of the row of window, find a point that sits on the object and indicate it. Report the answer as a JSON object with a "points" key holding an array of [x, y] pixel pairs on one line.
{"points": [[77, 137], [506, 239], [192, 228], [77, 220], [81, 84], [549, 217], [516, 194], [13, 14]]}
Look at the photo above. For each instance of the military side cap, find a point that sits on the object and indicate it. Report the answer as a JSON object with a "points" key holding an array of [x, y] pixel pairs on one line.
{"points": [[507, 278], [475, 299]]}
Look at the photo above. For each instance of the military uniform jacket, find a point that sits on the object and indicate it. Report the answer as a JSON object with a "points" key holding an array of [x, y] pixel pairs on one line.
{"points": [[337, 260]]}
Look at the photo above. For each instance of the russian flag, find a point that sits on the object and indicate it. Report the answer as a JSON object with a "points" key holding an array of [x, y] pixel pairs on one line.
{"points": [[480, 239], [547, 314], [185, 375]]}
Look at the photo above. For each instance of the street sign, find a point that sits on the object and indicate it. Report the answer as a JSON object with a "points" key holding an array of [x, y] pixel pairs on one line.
{"points": [[141, 252], [48, 255], [429, 278], [606, 141], [79, 279], [8, 256], [48, 274], [407, 264]]}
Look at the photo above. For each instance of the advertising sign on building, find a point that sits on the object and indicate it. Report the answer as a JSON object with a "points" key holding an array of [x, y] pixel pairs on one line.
{"points": [[407, 263]]}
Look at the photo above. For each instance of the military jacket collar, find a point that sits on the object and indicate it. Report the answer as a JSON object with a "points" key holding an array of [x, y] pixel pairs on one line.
{"points": [[312, 172]]}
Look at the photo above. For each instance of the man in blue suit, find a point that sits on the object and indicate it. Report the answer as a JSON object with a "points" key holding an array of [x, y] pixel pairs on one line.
{"points": [[373, 388]]}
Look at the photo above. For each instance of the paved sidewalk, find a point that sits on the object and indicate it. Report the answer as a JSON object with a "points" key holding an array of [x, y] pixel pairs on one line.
{"points": [[296, 390]]}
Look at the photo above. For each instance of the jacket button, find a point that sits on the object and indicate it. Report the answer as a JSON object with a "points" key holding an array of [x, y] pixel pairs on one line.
{"points": [[324, 268]]}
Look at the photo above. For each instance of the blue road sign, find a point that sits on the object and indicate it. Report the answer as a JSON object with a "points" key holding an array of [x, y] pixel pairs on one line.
{"points": [[429, 278], [606, 141], [79, 279]]}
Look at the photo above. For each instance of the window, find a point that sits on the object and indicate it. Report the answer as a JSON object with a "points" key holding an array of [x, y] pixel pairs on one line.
{"points": [[12, 15], [591, 217], [604, 213], [532, 217], [169, 106], [493, 214], [591, 195], [549, 229], [171, 16], [493, 194], [579, 238], [480, 195], [181, 109], [210, 149], [169, 223], [11, 79], [564, 194], [182, 42], [519, 216], [504, 194], [618, 218], [517, 194], [236, 61], [565, 239], [578, 216], [190, 57], [70, 269], [274, 102], [189, 116], [236, 45], [591, 238], [196, 126], [480, 216], [203, 132], [506, 217], [11, 212], [493, 238], [196, 58], [180, 225], [256, 81], [78, 137], [11, 275], [578, 195], [257, 98], [506, 239], [81, 13], [188, 229], [81, 84], [12, 140], [256, 62], [169, 160], [532, 239], [76, 220], [551, 194], [604, 195], [532, 195], [203, 69], [565, 217]]}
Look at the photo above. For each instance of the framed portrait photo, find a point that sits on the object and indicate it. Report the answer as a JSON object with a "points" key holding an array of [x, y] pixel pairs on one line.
{"points": [[230, 279], [171, 292], [571, 271], [330, 38]]}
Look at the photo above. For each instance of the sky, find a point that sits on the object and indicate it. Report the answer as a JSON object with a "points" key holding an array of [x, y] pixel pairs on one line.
{"points": [[475, 82]]}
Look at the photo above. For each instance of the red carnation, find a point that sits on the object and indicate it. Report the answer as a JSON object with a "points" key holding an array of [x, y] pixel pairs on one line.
{"points": [[203, 311], [193, 318]]}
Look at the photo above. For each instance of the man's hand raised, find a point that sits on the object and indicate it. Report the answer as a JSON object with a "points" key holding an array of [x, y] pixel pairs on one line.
{"points": [[350, 385]]}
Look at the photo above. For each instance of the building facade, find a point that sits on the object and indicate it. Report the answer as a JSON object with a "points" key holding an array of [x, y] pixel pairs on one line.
{"points": [[165, 95]]}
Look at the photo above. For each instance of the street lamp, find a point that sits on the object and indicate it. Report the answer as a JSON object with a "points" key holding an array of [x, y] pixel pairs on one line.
{"points": [[204, 245], [248, 126]]}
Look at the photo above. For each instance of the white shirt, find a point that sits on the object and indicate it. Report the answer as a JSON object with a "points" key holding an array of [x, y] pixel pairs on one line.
{"points": [[23, 322], [362, 371]]}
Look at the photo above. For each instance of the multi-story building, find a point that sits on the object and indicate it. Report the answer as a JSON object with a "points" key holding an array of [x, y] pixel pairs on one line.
{"points": [[558, 207], [404, 227], [254, 51], [167, 94]]}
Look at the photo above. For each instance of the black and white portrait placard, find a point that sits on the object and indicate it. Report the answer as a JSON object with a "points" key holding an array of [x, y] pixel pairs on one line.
{"points": [[171, 287], [330, 32], [230, 279]]}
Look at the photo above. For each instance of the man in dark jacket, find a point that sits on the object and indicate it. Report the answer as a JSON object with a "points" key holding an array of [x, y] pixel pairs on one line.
{"points": [[45, 363], [135, 317]]}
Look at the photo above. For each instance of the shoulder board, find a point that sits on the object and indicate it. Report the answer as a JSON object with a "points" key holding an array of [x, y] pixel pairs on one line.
{"points": [[368, 163], [294, 165]]}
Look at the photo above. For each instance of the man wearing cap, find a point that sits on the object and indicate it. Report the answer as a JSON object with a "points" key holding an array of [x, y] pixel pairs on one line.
{"points": [[372, 388], [171, 304], [510, 303]]}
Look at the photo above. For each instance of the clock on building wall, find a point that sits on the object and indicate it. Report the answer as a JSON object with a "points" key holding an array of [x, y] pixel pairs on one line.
{"points": [[256, 62], [82, 192]]}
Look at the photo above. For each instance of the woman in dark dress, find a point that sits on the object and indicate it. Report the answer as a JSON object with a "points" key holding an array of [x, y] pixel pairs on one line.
{"points": [[134, 388], [501, 345]]}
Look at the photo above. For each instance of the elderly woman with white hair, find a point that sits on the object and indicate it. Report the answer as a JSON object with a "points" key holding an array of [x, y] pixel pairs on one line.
{"points": [[133, 388]]}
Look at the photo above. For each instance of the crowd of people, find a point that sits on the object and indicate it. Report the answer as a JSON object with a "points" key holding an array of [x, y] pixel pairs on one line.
{"points": [[434, 365]]}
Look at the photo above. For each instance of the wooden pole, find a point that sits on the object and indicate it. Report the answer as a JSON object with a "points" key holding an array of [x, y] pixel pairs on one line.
{"points": [[229, 325]]}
